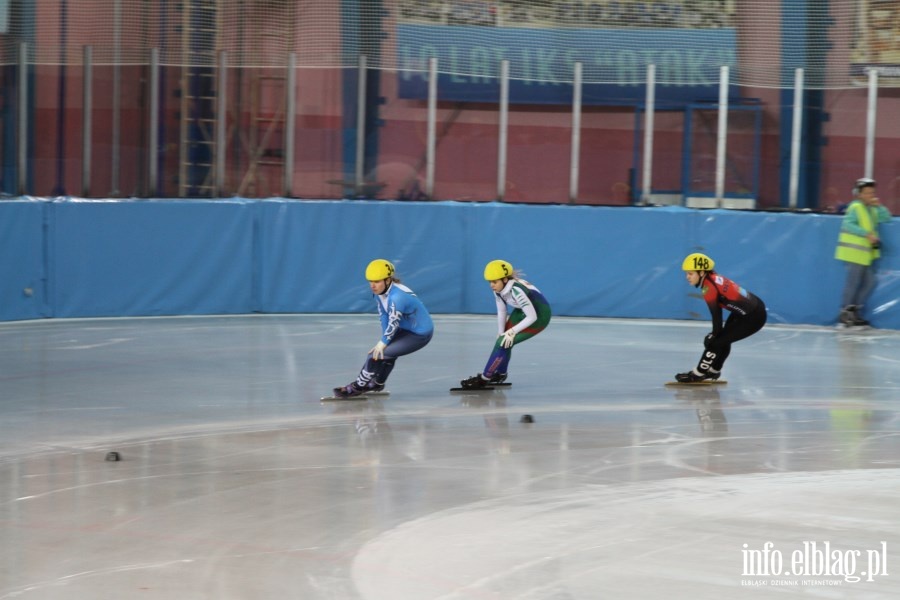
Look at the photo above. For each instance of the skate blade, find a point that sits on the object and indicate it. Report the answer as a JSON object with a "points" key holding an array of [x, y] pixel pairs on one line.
{"points": [[482, 389], [365, 396], [687, 383]]}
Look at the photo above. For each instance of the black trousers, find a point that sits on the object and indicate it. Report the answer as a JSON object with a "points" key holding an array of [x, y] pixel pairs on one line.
{"points": [[737, 327]]}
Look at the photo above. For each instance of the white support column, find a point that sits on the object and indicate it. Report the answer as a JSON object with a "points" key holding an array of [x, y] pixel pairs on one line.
{"points": [[504, 127], [722, 136], [575, 156], [290, 125], [431, 148], [221, 119], [871, 114], [796, 136], [360, 126], [87, 127], [22, 122], [153, 144], [116, 98], [649, 111]]}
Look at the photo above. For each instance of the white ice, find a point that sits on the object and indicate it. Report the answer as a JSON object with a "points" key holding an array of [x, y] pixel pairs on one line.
{"points": [[236, 482]]}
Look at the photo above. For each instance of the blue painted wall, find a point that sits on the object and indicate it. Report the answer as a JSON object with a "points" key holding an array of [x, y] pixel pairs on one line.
{"points": [[75, 258]]}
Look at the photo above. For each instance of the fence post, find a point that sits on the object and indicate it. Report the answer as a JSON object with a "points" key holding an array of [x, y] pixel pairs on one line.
{"points": [[649, 112], [290, 121], [87, 105], [504, 127], [22, 128], [360, 126], [722, 136], [871, 114], [575, 158], [796, 135], [431, 142], [153, 150]]}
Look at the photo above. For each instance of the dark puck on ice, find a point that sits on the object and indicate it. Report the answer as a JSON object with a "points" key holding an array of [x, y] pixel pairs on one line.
{"points": [[526, 419], [113, 456]]}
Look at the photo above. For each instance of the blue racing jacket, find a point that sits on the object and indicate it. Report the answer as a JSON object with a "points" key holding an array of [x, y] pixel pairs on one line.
{"points": [[399, 308]]}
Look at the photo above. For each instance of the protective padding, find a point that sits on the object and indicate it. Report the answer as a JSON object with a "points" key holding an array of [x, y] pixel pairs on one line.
{"points": [[75, 258]]}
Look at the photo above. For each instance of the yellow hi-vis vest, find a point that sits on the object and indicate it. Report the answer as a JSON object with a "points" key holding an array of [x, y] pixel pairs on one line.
{"points": [[857, 248]]}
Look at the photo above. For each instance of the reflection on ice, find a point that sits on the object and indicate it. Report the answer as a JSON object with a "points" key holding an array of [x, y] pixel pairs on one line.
{"points": [[237, 482]]}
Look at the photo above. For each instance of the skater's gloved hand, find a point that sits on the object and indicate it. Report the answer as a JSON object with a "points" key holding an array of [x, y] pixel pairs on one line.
{"points": [[378, 350], [708, 339], [508, 338]]}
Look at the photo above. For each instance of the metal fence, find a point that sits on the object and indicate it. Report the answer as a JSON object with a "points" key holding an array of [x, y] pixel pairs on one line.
{"points": [[675, 102]]}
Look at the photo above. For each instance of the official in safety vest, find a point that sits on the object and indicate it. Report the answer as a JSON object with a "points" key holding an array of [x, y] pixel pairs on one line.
{"points": [[860, 246]]}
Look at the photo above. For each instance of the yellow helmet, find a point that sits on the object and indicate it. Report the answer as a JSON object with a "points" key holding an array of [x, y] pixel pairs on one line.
{"points": [[697, 262], [379, 269], [497, 269]]}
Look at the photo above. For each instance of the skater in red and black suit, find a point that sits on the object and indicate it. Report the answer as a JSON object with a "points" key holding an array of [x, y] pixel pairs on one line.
{"points": [[748, 315]]}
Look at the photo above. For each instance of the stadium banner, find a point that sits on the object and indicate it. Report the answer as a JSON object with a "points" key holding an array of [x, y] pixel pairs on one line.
{"points": [[614, 63], [876, 42]]}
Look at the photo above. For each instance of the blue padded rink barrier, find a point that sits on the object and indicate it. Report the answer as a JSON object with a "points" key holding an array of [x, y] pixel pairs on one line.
{"points": [[236, 482]]}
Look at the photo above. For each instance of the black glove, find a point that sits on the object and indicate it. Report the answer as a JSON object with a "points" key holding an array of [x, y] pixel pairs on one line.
{"points": [[708, 339]]}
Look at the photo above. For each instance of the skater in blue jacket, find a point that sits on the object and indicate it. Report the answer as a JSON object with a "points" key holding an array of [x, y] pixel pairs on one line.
{"points": [[406, 327]]}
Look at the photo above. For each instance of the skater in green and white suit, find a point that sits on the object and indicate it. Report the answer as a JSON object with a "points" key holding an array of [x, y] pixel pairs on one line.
{"points": [[530, 315]]}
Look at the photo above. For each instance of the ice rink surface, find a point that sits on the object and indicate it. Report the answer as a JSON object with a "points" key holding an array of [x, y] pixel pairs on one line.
{"points": [[237, 483]]}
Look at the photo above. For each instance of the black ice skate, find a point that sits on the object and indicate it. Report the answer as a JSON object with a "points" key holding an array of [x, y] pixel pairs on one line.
{"points": [[847, 316], [354, 391], [476, 382], [692, 377], [850, 317], [858, 320], [497, 379], [349, 391]]}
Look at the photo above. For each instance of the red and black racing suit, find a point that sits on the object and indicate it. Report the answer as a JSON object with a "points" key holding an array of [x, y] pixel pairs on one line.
{"points": [[748, 315]]}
